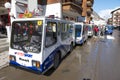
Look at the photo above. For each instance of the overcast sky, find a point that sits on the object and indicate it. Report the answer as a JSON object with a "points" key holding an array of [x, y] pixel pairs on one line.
{"points": [[104, 7]]}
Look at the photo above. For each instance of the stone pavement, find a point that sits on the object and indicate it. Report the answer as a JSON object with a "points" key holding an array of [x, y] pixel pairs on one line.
{"points": [[4, 48], [3, 35]]}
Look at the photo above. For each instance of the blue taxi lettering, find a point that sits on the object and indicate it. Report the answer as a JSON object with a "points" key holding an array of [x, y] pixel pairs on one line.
{"points": [[28, 55]]}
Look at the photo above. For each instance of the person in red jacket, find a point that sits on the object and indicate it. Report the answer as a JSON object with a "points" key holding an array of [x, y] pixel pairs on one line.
{"points": [[96, 30]]}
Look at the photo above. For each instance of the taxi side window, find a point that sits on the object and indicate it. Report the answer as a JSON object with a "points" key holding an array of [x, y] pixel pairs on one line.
{"points": [[51, 34]]}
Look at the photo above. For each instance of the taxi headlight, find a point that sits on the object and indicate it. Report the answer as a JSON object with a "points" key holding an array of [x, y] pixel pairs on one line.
{"points": [[11, 57], [35, 63]]}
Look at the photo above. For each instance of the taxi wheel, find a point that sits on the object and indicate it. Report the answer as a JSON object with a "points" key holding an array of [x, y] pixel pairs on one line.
{"points": [[71, 47], [56, 60]]}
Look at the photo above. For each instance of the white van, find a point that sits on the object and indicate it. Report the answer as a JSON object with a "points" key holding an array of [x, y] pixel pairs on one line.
{"points": [[90, 30], [80, 32]]}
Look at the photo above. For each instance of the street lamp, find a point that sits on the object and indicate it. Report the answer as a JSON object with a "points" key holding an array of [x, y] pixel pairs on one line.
{"points": [[8, 6]]}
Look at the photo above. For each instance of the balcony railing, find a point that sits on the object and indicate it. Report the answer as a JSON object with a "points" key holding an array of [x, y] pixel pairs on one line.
{"points": [[77, 2], [91, 1], [89, 4], [89, 10], [71, 3], [1, 4]]}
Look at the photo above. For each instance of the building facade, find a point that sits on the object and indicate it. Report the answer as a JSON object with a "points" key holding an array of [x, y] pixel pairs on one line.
{"points": [[109, 21], [87, 9], [76, 10], [4, 19], [72, 10], [116, 17], [3, 10]]}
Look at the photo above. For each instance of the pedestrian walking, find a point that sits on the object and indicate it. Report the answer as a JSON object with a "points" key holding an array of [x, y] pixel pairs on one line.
{"points": [[101, 30], [96, 30]]}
